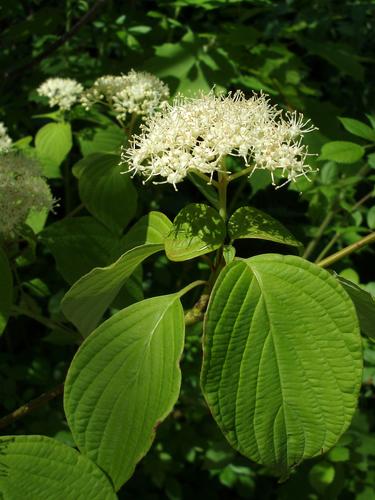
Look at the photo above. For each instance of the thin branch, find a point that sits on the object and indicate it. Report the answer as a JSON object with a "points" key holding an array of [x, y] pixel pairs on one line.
{"points": [[323, 226], [367, 240], [31, 406], [58, 43]]}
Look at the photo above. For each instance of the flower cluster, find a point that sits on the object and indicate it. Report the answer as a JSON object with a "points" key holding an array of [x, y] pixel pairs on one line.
{"points": [[198, 133], [137, 92], [22, 188], [5, 140], [61, 92]]}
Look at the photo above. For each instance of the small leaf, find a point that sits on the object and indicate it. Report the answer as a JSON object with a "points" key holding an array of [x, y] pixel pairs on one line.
{"points": [[249, 222], [38, 467], [282, 364], [229, 253], [87, 300], [106, 193], [371, 218], [342, 152], [108, 140], [53, 142], [123, 381], [364, 304], [321, 476], [358, 128], [6, 290], [197, 229], [151, 228]]}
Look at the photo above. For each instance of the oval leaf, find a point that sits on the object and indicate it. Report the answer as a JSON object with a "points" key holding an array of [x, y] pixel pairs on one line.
{"points": [[151, 228], [37, 467], [106, 193], [249, 222], [123, 381], [358, 128], [87, 300], [342, 152], [53, 142], [282, 359], [197, 229], [6, 290]]}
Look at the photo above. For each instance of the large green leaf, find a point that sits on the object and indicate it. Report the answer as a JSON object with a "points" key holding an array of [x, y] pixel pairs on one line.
{"points": [[282, 359], [6, 290], [197, 229], [364, 304], [38, 468], [106, 193], [249, 222], [53, 142], [86, 301], [342, 151], [123, 381]]}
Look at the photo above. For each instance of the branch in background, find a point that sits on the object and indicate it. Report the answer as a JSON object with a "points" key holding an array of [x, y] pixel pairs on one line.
{"points": [[31, 406], [58, 43], [314, 242], [367, 240]]}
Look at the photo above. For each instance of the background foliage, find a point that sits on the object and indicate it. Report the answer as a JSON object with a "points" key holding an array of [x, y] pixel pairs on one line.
{"points": [[314, 56]]}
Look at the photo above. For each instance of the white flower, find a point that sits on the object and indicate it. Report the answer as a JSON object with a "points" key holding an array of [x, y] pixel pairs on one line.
{"points": [[5, 140], [102, 91], [137, 92], [61, 92], [22, 188], [142, 94], [198, 133]]}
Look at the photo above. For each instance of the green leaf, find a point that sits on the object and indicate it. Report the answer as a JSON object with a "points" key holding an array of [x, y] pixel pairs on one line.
{"points": [[371, 218], [364, 304], [123, 381], [106, 193], [151, 228], [108, 140], [80, 243], [53, 142], [249, 222], [342, 151], [358, 128], [37, 220], [321, 476], [38, 467], [197, 229], [87, 300], [6, 290], [282, 362]]}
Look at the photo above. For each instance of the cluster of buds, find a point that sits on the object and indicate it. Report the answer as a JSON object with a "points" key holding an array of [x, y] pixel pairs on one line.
{"points": [[5, 140], [61, 92]]}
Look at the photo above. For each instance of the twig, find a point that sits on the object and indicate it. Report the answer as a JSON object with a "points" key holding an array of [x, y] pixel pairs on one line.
{"points": [[31, 406], [196, 314], [323, 226], [370, 238], [58, 43]]}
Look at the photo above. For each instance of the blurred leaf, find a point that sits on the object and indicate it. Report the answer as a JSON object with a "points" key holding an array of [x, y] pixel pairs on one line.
{"points": [[358, 128], [342, 152], [53, 142], [6, 290]]}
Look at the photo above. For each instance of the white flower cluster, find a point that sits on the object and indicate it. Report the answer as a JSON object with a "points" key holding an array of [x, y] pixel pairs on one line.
{"points": [[61, 92], [137, 92], [5, 140], [22, 188], [198, 133]]}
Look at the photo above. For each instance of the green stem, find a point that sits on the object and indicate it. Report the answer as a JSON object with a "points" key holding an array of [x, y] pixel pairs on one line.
{"points": [[241, 173], [323, 226], [222, 191], [370, 238]]}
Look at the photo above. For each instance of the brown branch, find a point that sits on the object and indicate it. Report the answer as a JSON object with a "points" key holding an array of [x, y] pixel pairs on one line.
{"points": [[31, 406], [328, 261], [58, 43]]}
